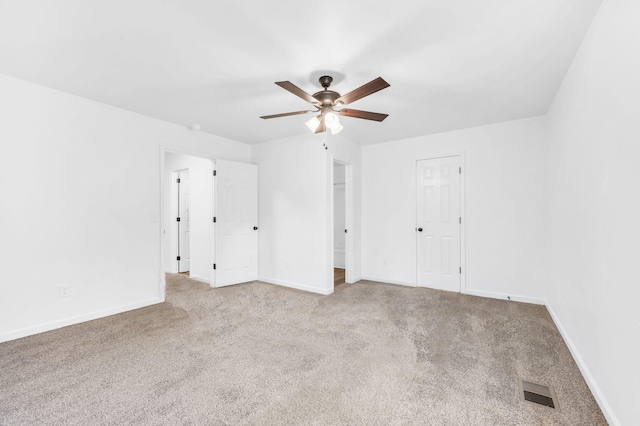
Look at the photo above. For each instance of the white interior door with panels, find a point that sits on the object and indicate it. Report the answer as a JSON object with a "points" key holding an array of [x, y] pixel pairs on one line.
{"points": [[182, 219], [438, 225], [236, 223]]}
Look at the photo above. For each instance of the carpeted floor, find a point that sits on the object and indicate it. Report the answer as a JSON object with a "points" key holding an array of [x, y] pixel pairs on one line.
{"points": [[369, 354]]}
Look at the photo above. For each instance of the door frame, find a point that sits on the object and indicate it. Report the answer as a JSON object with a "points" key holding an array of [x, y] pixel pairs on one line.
{"points": [[463, 225]]}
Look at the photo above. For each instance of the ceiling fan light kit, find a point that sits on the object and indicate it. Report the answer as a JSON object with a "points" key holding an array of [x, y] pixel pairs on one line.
{"points": [[313, 124], [326, 101], [337, 128]]}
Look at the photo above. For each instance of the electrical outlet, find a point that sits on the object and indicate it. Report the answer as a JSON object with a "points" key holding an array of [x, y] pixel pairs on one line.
{"points": [[64, 291]]}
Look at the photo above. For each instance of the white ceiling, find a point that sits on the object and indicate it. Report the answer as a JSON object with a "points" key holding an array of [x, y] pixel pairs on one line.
{"points": [[451, 64]]}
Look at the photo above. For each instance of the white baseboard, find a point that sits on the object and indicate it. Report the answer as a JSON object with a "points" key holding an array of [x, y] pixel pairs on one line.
{"points": [[387, 281], [593, 386], [355, 280], [53, 325], [503, 296], [201, 279], [296, 286]]}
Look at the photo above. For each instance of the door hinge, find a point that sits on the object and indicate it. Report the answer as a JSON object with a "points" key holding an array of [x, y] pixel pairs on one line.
{"points": [[461, 269], [178, 180], [177, 219], [214, 219], [214, 172], [214, 266], [178, 258], [459, 170], [459, 220]]}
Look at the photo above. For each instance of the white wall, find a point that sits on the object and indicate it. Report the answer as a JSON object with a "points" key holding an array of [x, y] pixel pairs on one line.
{"points": [[505, 207], [594, 187], [81, 205], [295, 209], [338, 173], [201, 214]]}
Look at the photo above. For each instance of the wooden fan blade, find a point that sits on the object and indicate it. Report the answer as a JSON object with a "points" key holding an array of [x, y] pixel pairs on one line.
{"points": [[287, 85], [322, 127], [371, 87], [355, 113], [286, 114]]}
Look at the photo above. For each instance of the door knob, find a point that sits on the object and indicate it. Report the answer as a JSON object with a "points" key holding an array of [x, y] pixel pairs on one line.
{"points": [[419, 229], [255, 228]]}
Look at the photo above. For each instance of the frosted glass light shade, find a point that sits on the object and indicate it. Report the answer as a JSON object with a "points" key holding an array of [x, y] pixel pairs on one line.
{"points": [[313, 124], [337, 128], [331, 119]]}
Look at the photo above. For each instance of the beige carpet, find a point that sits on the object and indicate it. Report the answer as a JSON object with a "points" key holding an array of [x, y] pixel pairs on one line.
{"points": [[369, 354]]}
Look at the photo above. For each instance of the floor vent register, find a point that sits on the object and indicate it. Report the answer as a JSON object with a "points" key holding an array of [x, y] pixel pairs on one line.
{"points": [[538, 394]]}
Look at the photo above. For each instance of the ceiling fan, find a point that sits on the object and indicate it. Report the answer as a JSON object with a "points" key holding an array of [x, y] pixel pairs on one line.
{"points": [[326, 101]]}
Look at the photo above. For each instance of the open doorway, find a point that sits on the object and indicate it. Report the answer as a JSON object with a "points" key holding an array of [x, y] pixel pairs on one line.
{"points": [[187, 207], [339, 224]]}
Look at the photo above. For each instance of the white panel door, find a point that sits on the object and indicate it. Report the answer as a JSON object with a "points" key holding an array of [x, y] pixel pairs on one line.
{"points": [[236, 227], [184, 203], [438, 223]]}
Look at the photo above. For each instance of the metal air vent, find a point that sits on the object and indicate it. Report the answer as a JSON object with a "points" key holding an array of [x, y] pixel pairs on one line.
{"points": [[538, 394]]}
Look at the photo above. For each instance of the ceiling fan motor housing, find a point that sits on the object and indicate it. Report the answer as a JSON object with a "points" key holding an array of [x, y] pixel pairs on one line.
{"points": [[326, 97]]}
